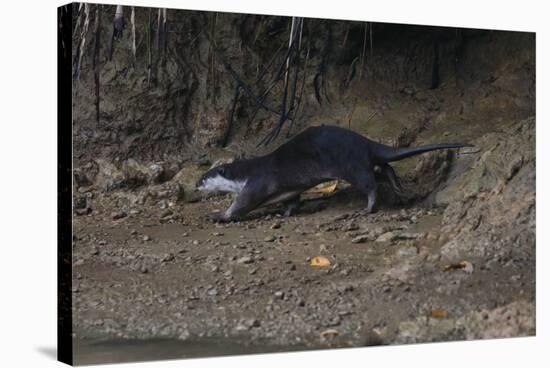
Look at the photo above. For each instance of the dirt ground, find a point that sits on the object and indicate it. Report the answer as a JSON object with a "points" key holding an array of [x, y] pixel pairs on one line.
{"points": [[163, 276]]}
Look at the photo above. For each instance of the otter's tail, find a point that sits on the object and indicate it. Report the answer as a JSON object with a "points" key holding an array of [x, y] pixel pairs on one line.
{"points": [[389, 154]]}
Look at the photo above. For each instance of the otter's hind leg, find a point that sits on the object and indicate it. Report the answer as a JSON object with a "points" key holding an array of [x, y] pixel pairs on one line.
{"points": [[389, 172], [365, 181], [292, 205]]}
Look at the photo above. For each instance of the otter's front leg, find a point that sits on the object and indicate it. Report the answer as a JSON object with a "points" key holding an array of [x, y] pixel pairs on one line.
{"points": [[247, 200]]}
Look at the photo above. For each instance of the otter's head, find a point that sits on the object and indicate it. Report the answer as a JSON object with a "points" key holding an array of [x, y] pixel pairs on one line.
{"points": [[219, 179]]}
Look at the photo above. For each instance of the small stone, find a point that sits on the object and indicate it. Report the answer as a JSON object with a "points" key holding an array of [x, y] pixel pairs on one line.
{"points": [[279, 294], [468, 267], [133, 232], [146, 238], [276, 225], [195, 242], [184, 335], [269, 238], [360, 239], [241, 327], [119, 215], [167, 258], [245, 260], [83, 211], [212, 292], [389, 236], [166, 213]]}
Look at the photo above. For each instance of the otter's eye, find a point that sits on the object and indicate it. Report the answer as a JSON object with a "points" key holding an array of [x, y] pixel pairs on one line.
{"points": [[221, 171]]}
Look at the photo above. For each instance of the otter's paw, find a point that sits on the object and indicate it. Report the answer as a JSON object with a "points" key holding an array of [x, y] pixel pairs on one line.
{"points": [[216, 217]]}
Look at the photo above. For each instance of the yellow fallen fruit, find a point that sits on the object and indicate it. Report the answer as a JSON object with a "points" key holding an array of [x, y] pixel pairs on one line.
{"points": [[440, 313], [329, 332], [319, 261]]}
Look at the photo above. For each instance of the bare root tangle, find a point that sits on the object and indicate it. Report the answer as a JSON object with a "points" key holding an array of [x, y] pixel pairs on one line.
{"points": [[96, 58], [118, 27], [291, 59], [319, 84], [83, 23], [231, 116]]}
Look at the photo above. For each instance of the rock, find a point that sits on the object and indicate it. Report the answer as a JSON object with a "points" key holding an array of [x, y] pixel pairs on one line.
{"points": [[83, 211], [155, 174], [166, 213], [360, 239], [279, 294], [269, 238], [389, 236], [245, 260], [119, 215], [109, 177], [146, 238], [167, 258], [276, 225], [185, 335], [80, 203]]}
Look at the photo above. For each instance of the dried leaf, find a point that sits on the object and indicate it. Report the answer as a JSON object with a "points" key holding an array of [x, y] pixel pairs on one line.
{"points": [[319, 261], [439, 313], [330, 332]]}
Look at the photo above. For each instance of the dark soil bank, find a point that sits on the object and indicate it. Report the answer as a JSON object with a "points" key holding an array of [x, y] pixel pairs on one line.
{"points": [[453, 259]]}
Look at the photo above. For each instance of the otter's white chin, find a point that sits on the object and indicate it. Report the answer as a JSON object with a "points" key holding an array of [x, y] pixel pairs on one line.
{"points": [[220, 184]]}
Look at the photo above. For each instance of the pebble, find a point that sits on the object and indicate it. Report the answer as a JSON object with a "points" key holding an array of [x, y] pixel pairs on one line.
{"points": [[279, 294], [276, 225], [166, 214], [360, 239], [146, 238], [245, 260], [269, 238], [389, 236], [119, 215]]}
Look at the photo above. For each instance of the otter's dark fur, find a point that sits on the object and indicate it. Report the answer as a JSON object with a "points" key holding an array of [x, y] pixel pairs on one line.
{"points": [[315, 155]]}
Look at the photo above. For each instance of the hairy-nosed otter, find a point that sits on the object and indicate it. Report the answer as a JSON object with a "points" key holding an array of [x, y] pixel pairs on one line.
{"points": [[315, 155]]}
